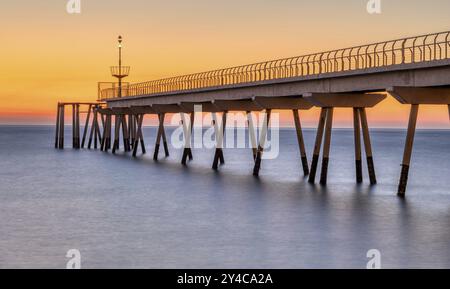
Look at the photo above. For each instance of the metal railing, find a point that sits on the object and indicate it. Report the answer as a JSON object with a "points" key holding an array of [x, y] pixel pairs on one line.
{"points": [[401, 51], [120, 71]]}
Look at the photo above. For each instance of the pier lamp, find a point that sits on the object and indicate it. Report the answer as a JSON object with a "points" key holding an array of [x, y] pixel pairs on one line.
{"points": [[120, 72]]}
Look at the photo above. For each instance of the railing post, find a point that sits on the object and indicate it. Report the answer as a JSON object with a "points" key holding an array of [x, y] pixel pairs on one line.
{"points": [[403, 51]]}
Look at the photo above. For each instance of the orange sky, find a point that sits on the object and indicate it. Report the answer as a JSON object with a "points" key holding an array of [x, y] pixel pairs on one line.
{"points": [[49, 55]]}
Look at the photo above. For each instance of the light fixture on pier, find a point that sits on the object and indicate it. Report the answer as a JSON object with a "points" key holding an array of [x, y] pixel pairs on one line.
{"points": [[120, 71]]}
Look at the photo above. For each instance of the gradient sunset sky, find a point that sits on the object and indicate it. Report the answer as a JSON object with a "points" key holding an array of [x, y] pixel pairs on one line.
{"points": [[48, 55]]}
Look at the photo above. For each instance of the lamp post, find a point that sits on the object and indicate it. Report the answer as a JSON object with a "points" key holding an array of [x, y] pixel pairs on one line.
{"points": [[120, 71]]}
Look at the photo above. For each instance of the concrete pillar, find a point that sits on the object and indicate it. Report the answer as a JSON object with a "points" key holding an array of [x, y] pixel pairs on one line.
{"points": [[61, 126], [368, 146], [187, 131], [97, 133], [58, 115], [103, 119], [326, 146], [358, 154], [106, 142], [139, 135], [109, 132], [219, 135], [77, 123], [105, 133], [408, 149], [132, 129], [103, 142], [86, 125], [449, 111], [318, 145], [252, 133], [117, 121], [125, 133], [74, 112], [301, 142], [160, 135], [92, 132], [192, 120], [164, 138], [262, 141]]}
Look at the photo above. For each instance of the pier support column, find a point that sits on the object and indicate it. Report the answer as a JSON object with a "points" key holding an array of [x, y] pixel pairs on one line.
{"points": [[109, 129], [358, 102], [86, 125], [58, 115], [103, 141], [192, 121], [408, 149], [252, 133], [77, 127], [117, 122], [103, 120], [132, 129], [220, 133], [161, 135], [97, 130], [416, 96], [318, 145], [326, 146], [164, 138], [125, 133], [448, 112], [139, 136], [368, 146], [106, 141], [73, 125], [262, 142], [187, 131], [104, 136], [61, 126], [140, 133], [93, 129], [301, 142], [358, 154]]}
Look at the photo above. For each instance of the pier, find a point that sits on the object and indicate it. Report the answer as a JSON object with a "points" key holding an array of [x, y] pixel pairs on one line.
{"points": [[414, 70]]}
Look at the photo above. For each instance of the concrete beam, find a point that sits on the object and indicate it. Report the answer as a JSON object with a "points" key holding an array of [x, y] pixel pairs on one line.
{"points": [[143, 110], [169, 108], [283, 103], [343, 100], [238, 105], [121, 110], [420, 95], [105, 111], [207, 106]]}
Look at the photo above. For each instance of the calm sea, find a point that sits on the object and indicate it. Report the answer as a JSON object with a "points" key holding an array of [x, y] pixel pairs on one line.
{"points": [[121, 212]]}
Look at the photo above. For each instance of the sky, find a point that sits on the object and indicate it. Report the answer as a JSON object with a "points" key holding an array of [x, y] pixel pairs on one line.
{"points": [[48, 55]]}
